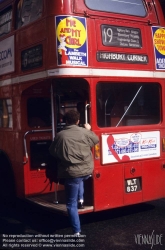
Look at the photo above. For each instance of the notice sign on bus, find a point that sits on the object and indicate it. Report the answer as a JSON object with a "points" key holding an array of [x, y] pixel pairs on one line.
{"points": [[159, 46], [7, 55], [32, 58], [71, 39], [130, 146]]}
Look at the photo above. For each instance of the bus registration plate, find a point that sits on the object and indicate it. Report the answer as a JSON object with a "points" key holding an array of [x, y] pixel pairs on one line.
{"points": [[133, 185]]}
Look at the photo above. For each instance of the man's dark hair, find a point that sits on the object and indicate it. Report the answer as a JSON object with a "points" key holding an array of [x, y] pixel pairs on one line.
{"points": [[72, 117]]}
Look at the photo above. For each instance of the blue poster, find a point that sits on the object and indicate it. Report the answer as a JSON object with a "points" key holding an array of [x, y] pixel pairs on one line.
{"points": [[71, 39], [158, 34]]}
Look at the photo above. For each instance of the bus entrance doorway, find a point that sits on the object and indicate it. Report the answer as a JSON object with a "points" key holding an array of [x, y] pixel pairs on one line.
{"points": [[70, 94], [64, 94]]}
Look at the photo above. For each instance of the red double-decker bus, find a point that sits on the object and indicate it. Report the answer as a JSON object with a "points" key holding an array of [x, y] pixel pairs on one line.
{"points": [[104, 58]]}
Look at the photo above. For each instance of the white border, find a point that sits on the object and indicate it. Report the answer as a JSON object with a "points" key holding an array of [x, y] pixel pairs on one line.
{"points": [[88, 72], [144, 139]]}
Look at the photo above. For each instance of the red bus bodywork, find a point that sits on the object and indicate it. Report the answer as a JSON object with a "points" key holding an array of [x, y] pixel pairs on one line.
{"points": [[97, 64]]}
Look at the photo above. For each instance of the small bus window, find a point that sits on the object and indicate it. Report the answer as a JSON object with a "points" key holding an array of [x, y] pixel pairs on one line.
{"points": [[5, 21], [127, 104], [39, 112], [128, 7], [28, 11], [39, 154], [6, 113]]}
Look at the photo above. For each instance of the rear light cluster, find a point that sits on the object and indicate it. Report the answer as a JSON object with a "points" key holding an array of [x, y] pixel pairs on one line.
{"points": [[163, 144], [97, 151]]}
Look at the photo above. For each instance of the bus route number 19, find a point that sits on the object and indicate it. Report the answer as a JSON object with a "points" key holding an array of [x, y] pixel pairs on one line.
{"points": [[108, 35]]}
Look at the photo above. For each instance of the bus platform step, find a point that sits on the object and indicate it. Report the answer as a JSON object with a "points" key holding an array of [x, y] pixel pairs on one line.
{"points": [[48, 201]]}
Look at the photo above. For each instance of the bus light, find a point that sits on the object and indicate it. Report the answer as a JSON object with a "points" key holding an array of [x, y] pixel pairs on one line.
{"points": [[163, 144], [97, 151]]}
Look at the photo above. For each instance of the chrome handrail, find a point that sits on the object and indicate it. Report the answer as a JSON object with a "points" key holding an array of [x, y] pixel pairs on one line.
{"points": [[31, 132], [86, 113]]}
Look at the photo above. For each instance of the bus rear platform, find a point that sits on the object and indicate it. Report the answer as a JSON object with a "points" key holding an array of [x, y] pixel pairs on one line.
{"points": [[56, 203]]}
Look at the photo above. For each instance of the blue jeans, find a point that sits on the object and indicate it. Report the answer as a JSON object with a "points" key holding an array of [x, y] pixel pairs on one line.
{"points": [[72, 186], [81, 191]]}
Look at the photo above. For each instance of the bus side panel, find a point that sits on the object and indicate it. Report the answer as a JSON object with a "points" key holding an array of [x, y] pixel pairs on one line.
{"points": [[153, 180], [110, 184], [36, 181], [108, 187], [132, 173]]}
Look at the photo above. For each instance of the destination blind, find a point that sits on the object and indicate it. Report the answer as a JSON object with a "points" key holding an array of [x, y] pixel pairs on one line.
{"points": [[121, 57], [121, 36]]}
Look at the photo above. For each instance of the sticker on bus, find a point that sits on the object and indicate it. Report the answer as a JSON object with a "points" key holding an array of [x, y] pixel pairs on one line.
{"points": [[71, 39], [130, 146], [7, 57], [158, 34]]}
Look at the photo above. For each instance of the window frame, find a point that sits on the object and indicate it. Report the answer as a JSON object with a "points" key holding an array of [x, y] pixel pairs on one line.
{"points": [[115, 12], [121, 113]]}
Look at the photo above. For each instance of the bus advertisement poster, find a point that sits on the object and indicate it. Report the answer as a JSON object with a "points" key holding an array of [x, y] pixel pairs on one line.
{"points": [[7, 55], [158, 34], [130, 146], [71, 39]]}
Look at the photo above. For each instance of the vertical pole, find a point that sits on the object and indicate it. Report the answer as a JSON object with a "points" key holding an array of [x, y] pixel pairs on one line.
{"points": [[52, 110], [53, 134]]}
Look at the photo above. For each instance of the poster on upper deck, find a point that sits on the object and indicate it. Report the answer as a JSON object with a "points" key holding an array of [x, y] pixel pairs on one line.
{"points": [[130, 146], [158, 34], [71, 41], [7, 55]]}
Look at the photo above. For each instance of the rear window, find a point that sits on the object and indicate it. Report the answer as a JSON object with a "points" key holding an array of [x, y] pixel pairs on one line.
{"points": [[128, 104], [127, 7]]}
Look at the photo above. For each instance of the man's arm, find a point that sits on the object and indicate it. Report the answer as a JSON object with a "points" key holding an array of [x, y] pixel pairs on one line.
{"points": [[93, 138]]}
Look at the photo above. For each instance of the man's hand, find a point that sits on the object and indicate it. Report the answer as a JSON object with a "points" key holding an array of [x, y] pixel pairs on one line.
{"points": [[87, 126]]}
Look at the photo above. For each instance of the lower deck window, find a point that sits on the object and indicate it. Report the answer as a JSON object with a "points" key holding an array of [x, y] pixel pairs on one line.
{"points": [[6, 113], [128, 104], [39, 154], [39, 112]]}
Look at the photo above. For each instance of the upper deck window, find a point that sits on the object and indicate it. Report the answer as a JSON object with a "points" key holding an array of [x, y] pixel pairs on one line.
{"points": [[5, 21], [127, 7], [28, 11]]}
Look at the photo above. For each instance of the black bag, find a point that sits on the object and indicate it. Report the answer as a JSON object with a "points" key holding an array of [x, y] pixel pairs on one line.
{"points": [[51, 172], [52, 148]]}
